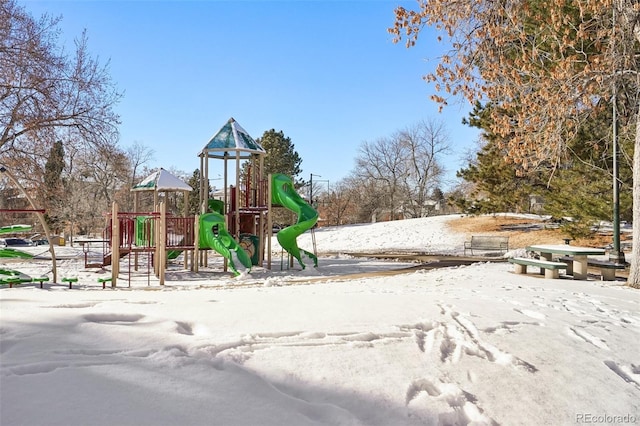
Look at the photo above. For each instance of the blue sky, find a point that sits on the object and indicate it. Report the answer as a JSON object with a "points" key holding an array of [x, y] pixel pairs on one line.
{"points": [[326, 73]]}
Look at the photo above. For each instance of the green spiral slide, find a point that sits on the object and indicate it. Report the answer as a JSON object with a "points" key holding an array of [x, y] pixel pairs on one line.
{"points": [[284, 194], [214, 235]]}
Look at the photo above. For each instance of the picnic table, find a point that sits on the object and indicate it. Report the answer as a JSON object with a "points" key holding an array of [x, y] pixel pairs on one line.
{"points": [[578, 254]]}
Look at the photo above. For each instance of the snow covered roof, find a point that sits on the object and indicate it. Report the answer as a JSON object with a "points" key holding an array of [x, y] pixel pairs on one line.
{"points": [[232, 140], [162, 180]]}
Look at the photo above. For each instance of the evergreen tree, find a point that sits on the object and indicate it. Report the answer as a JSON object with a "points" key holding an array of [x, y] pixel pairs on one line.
{"points": [[194, 196], [498, 185], [281, 154], [582, 188], [281, 157]]}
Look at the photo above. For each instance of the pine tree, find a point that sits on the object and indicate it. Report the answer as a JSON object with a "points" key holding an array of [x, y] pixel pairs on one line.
{"points": [[281, 154], [194, 197], [581, 188], [282, 158], [498, 186]]}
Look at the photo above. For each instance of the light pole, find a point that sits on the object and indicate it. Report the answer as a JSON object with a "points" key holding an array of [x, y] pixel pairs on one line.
{"points": [[616, 255], [311, 188]]}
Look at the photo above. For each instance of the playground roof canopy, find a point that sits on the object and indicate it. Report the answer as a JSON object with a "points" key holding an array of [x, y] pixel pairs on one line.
{"points": [[231, 141], [162, 180]]}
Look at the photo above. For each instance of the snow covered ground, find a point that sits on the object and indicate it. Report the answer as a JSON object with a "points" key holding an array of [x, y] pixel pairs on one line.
{"points": [[451, 346]]}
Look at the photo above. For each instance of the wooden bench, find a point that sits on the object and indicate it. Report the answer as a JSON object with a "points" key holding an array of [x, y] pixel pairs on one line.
{"points": [[487, 243], [607, 269], [549, 268]]}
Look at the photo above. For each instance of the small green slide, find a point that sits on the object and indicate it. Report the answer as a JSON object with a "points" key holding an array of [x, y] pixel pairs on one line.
{"points": [[16, 254], [10, 252], [284, 194], [214, 235], [173, 254], [14, 228]]}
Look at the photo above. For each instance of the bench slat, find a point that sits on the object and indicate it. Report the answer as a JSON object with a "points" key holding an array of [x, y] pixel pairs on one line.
{"points": [[550, 269], [487, 242], [547, 264]]}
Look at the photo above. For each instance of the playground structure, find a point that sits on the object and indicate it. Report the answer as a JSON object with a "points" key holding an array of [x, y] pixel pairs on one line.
{"points": [[248, 203], [238, 227], [245, 203]]}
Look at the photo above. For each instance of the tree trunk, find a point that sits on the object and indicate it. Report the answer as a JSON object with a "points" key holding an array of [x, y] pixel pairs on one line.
{"points": [[634, 273], [630, 17]]}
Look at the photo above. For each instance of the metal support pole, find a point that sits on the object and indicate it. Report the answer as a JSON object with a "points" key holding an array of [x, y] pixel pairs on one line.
{"points": [[616, 255]]}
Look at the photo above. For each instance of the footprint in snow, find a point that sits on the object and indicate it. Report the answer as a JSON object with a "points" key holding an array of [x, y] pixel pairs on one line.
{"points": [[630, 374], [463, 406], [589, 338], [531, 314], [457, 335]]}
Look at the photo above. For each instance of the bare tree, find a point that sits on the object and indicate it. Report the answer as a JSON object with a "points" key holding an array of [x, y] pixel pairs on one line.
{"points": [[424, 143], [43, 89], [46, 94], [338, 204], [404, 168], [139, 156], [384, 163], [364, 198]]}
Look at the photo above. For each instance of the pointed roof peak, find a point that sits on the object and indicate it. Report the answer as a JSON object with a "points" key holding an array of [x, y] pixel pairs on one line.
{"points": [[162, 180], [232, 138]]}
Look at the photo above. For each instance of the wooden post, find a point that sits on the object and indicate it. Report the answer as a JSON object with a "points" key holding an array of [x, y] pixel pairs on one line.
{"points": [[155, 199], [196, 248], [267, 203], [115, 245], [236, 216], [201, 194], [269, 221], [135, 209], [261, 238], [162, 242], [156, 242]]}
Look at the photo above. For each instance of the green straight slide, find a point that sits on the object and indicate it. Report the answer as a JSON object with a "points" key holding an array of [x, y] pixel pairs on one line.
{"points": [[13, 253], [10, 252], [284, 194], [14, 228], [214, 235]]}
